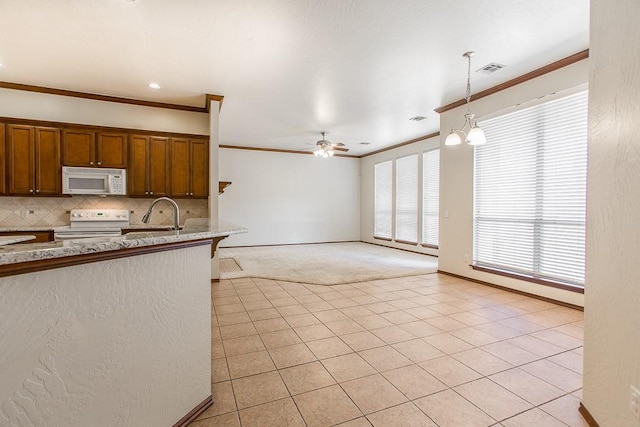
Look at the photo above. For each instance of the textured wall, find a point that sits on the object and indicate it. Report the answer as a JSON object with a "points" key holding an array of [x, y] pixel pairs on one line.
{"points": [[456, 179], [54, 211], [289, 198], [612, 304], [367, 192], [116, 343]]}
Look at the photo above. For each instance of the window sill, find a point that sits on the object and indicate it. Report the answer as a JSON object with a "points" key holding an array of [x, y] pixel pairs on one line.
{"points": [[386, 239], [424, 245], [544, 282], [406, 242]]}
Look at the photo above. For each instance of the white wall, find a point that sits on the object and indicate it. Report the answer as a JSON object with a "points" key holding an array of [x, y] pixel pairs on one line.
{"points": [[56, 108], [367, 191], [124, 342], [289, 198], [612, 311], [456, 180]]}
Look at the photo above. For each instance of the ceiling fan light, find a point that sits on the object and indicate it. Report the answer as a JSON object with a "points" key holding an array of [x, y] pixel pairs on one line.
{"points": [[476, 136], [330, 153], [453, 138]]}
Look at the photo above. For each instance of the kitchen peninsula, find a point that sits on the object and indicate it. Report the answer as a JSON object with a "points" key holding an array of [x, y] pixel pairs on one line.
{"points": [[108, 331]]}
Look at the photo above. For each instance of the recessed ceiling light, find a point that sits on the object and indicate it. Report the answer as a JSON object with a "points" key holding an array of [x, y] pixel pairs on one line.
{"points": [[417, 118], [154, 86]]}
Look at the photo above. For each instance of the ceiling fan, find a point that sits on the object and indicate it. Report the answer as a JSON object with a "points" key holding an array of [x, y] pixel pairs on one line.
{"points": [[326, 148]]}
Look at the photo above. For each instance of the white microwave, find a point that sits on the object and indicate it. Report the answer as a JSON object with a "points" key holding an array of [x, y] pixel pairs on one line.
{"points": [[97, 181]]}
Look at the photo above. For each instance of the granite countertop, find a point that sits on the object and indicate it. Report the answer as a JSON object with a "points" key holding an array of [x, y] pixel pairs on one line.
{"points": [[7, 240], [194, 229]]}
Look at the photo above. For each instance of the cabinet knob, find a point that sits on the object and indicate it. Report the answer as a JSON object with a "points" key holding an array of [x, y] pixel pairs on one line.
{"points": [[30, 191], [90, 163], [150, 192], [37, 191], [99, 163], [146, 192]]}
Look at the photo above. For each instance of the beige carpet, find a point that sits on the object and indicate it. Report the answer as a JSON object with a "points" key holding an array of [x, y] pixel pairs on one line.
{"points": [[325, 263]]}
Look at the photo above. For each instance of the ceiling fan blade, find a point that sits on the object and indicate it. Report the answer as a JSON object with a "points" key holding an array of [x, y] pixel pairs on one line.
{"points": [[341, 149], [337, 144]]}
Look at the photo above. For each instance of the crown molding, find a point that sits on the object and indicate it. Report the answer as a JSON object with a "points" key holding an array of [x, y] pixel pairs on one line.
{"points": [[576, 57], [108, 98]]}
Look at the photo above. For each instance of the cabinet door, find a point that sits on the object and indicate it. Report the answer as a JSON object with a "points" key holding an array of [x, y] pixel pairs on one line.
{"points": [[78, 147], [3, 186], [137, 168], [47, 161], [158, 166], [20, 159], [199, 168], [41, 235], [180, 171], [112, 150]]}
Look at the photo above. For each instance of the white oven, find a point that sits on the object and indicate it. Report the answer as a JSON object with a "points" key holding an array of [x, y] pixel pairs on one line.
{"points": [[98, 181], [86, 223]]}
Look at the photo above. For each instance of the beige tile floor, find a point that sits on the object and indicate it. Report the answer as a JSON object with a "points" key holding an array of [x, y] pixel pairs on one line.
{"points": [[429, 350]]}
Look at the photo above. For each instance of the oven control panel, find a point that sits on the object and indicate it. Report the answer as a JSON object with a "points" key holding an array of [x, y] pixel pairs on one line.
{"points": [[99, 215], [108, 218]]}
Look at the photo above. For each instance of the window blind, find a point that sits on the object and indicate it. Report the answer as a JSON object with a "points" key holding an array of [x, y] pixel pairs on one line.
{"points": [[407, 198], [430, 196], [383, 199], [530, 191]]}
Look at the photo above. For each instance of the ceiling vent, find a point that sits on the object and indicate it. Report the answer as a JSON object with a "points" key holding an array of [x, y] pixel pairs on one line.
{"points": [[490, 68], [365, 143], [417, 118]]}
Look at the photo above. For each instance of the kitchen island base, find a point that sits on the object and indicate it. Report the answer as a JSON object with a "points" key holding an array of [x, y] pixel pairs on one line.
{"points": [[124, 341]]}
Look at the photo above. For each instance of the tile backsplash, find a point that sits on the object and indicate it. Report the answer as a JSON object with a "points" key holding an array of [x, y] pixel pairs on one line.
{"points": [[54, 211]]}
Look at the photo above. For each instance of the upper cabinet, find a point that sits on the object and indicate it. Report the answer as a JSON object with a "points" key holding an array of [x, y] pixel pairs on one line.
{"points": [[32, 154], [148, 170], [189, 167], [88, 148], [33, 160]]}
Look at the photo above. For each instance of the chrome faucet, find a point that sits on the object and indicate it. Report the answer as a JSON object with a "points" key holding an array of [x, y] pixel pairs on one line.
{"points": [[176, 212]]}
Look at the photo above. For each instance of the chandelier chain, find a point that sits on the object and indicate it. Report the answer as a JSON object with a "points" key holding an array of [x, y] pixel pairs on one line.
{"points": [[468, 97]]}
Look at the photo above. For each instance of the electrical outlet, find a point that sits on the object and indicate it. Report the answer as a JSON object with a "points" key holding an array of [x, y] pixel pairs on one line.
{"points": [[466, 258], [24, 214], [634, 405]]}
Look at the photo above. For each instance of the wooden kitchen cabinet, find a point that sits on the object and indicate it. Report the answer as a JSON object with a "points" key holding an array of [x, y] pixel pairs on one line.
{"points": [[41, 235], [148, 170], [3, 186], [88, 148], [33, 160], [189, 168]]}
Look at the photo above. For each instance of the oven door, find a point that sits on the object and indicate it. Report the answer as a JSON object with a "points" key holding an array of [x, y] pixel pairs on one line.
{"points": [[68, 233]]}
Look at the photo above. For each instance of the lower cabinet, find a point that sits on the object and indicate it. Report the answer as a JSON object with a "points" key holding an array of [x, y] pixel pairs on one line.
{"points": [[41, 235]]}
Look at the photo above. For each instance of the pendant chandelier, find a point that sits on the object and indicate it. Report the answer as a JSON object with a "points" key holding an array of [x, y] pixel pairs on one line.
{"points": [[475, 135]]}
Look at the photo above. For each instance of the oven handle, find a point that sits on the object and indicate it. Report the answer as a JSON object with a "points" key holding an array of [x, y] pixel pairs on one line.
{"points": [[83, 236]]}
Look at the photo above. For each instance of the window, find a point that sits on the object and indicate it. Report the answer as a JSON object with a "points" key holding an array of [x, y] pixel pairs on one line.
{"points": [[383, 199], [430, 196], [530, 191], [407, 199]]}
